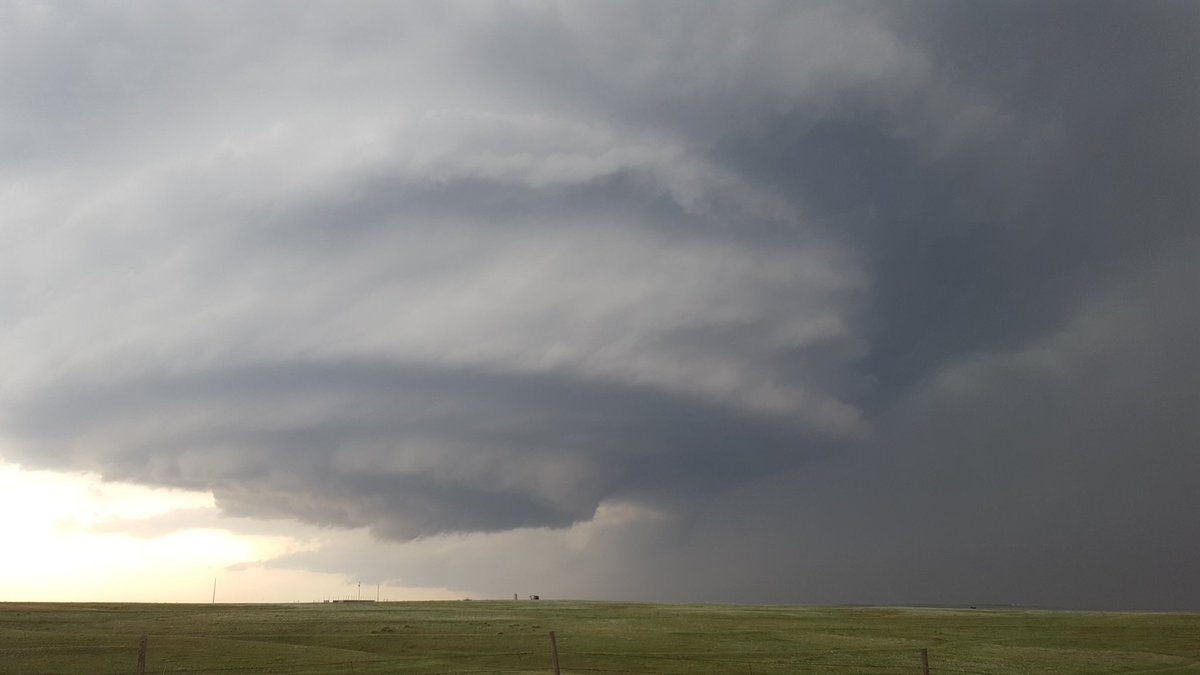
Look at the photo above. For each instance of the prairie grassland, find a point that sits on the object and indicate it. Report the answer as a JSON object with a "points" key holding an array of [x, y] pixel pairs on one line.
{"points": [[512, 637]]}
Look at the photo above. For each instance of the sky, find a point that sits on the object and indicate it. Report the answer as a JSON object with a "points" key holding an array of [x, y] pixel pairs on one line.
{"points": [[795, 302]]}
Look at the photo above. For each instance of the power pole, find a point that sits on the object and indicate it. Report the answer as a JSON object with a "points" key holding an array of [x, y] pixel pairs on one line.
{"points": [[214, 601]]}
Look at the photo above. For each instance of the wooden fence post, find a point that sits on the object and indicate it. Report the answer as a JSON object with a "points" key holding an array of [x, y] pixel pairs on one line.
{"points": [[554, 652], [925, 662], [142, 656]]}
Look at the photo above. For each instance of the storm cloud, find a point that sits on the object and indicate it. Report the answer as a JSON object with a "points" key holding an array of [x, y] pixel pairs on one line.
{"points": [[871, 302]]}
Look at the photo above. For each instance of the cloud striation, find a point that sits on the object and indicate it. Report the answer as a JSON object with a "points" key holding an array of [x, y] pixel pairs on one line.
{"points": [[868, 302]]}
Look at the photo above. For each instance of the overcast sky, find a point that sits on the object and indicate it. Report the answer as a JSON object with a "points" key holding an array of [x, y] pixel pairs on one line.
{"points": [[839, 302]]}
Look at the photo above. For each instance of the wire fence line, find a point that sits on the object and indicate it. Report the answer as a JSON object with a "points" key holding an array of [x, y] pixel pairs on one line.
{"points": [[906, 662]]}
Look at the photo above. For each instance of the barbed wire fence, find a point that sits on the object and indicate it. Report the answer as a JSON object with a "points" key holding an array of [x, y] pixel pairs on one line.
{"points": [[527, 662]]}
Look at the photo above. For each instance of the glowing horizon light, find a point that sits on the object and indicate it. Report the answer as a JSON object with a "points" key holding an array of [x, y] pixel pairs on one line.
{"points": [[59, 551]]}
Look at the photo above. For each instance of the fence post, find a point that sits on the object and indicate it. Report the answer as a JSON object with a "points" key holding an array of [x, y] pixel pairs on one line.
{"points": [[554, 652], [925, 662], [142, 656]]}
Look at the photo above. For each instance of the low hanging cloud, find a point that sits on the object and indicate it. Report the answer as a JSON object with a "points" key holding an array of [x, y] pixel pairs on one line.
{"points": [[699, 286], [421, 319]]}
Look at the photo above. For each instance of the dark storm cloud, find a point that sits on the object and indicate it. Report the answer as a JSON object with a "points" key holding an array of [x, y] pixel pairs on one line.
{"points": [[1074, 169], [407, 450], [1031, 333], [1085, 181], [876, 302]]}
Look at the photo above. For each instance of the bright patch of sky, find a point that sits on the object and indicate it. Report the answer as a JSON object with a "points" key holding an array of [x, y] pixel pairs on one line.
{"points": [[51, 517]]}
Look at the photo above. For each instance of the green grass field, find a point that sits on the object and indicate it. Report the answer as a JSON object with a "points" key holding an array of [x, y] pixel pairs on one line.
{"points": [[512, 637]]}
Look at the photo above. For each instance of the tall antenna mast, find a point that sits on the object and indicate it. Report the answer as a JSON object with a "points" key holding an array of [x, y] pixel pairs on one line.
{"points": [[214, 591]]}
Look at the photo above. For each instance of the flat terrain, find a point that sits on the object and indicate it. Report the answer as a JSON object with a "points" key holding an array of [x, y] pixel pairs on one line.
{"points": [[512, 637]]}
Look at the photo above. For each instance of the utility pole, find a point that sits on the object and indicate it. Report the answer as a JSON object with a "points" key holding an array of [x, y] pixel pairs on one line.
{"points": [[214, 591]]}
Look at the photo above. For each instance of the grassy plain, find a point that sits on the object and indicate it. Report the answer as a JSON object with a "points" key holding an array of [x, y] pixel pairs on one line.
{"points": [[512, 637]]}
